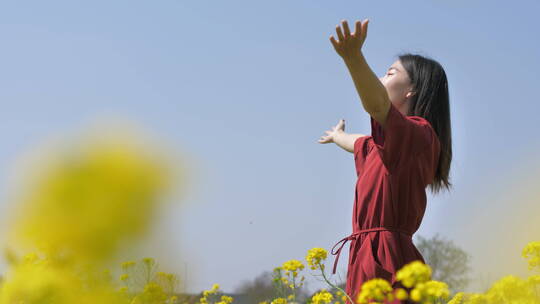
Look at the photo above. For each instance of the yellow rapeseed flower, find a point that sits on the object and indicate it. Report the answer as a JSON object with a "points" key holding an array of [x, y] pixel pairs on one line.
{"points": [[315, 256], [88, 198], [532, 252], [225, 300], [414, 273], [43, 280], [534, 280], [322, 297], [79, 206], [293, 266], [457, 299], [512, 288], [401, 294], [39, 283], [279, 301], [375, 289], [152, 293], [430, 291]]}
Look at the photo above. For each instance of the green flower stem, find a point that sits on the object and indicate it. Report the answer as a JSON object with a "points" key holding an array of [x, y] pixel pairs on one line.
{"points": [[334, 286], [279, 283], [294, 287]]}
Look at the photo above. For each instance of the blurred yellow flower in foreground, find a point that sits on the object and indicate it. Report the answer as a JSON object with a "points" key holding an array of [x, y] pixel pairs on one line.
{"points": [[413, 273], [375, 289], [510, 288], [37, 280], [532, 252], [77, 205], [87, 199], [430, 291]]}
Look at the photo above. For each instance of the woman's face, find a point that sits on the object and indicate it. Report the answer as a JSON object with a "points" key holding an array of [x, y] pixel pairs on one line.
{"points": [[398, 85]]}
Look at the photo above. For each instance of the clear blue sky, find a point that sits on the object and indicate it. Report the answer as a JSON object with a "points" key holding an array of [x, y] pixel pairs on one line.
{"points": [[247, 88]]}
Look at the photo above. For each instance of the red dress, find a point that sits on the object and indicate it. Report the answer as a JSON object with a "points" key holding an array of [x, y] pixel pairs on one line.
{"points": [[394, 166]]}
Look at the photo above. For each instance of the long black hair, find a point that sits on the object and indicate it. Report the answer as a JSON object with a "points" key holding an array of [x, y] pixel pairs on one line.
{"points": [[431, 102]]}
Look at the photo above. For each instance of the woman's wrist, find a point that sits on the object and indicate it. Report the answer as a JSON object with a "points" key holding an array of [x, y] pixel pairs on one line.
{"points": [[341, 139], [354, 60]]}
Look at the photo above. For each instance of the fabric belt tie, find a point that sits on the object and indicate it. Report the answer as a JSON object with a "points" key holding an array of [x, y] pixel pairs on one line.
{"points": [[353, 236]]}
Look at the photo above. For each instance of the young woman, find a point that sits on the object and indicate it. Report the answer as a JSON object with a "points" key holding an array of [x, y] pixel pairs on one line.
{"points": [[409, 149]]}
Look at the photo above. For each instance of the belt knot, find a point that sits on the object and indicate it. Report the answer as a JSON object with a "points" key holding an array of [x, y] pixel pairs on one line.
{"points": [[354, 235]]}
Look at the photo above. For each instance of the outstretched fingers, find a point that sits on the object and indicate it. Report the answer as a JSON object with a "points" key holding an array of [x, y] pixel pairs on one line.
{"points": [[324, 140], [339, 33], [365, 29], [334, 42], [357, 28], [346, 28]]}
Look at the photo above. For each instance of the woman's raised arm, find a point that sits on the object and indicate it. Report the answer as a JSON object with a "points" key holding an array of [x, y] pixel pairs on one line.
{"points": [[372, 92]]}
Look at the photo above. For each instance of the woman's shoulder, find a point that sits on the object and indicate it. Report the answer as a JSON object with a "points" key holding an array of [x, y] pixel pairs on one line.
{"points": [[362, 145]]}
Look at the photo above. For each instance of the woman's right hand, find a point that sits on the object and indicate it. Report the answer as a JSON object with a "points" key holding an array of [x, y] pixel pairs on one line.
{"points": [[329, 137]]}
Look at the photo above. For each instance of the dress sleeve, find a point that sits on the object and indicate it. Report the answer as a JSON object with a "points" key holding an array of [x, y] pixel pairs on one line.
{"points": [[402, 138], [359, 149], [360, 153]]}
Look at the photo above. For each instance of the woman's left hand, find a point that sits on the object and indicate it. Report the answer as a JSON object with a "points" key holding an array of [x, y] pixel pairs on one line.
{"points": [[349, 45]]}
